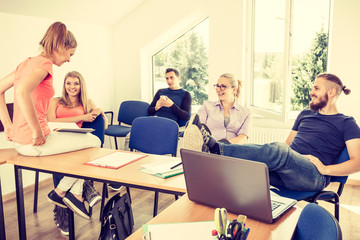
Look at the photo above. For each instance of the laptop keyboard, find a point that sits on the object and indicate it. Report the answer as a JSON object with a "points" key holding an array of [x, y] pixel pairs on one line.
{"points": [[274, 205]]}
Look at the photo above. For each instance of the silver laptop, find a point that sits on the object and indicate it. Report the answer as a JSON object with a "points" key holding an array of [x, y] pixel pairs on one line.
{"points": [[240, 186]]}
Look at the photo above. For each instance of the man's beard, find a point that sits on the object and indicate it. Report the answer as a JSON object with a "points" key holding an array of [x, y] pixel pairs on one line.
{"points": [[321, 104]]}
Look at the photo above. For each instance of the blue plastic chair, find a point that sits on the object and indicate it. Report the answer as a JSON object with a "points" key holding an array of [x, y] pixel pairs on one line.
{"points": [[154, 135], [315, 222], [128, 111], [99, 125], [313, 196]]}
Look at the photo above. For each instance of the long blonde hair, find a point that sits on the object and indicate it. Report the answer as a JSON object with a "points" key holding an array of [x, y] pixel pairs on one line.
{"points": [[234, 82], [82, 97]]}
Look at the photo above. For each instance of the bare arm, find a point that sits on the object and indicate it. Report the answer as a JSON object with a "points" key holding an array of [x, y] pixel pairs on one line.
{"points": [[345, 168], [26, 104], [97, 111], [291, 137], [5, 84], [239, 139]]}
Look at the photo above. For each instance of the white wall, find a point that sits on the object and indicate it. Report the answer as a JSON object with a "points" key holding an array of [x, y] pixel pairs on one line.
{"points": [[344, 55], [20, 37], [345, 51]]}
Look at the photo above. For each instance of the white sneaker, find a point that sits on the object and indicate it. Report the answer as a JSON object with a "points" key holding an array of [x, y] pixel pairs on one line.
{"points": [[193, 138]]}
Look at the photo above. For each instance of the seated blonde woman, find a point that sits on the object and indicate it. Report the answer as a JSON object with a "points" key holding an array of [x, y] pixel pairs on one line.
{"points": [[227, 120]]}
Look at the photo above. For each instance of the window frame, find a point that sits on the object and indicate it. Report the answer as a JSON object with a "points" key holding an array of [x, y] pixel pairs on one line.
{"points": [[286, 91]]}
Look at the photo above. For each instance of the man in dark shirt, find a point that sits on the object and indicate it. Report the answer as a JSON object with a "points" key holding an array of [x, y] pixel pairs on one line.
{"points": [[310, 152], [172, 102]]}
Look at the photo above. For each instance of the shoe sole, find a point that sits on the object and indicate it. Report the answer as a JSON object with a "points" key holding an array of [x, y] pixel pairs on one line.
{"points": [[94, 201], [193, 138], [75, 209], [115, 189], [62, 231], [56, 203]]}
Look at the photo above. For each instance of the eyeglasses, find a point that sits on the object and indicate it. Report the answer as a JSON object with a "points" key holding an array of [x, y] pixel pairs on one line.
{"points": [[222, 87]]}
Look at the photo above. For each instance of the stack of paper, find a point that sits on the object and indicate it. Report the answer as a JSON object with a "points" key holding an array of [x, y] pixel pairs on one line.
{"points": [[164, 169]]}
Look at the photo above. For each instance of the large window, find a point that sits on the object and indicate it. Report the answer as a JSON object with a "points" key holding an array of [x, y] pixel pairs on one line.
{"points": [[189, 55], [289, 48]]}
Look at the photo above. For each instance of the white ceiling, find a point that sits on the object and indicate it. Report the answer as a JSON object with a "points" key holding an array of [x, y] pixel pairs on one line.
{"points": [[102, 12]]}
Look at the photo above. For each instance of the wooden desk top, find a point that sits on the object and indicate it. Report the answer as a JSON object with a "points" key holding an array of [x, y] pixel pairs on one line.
{"points": [[73, 163], [6, 154], [184, 210]]}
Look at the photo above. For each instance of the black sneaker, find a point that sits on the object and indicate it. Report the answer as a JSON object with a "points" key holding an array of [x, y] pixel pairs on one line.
{"points": [[90, 194], [116, 187], [56, 199], [61, 219], [76, 206]]}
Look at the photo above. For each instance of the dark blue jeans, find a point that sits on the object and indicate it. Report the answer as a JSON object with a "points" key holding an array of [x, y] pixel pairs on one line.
{"points": [[287, 168]]}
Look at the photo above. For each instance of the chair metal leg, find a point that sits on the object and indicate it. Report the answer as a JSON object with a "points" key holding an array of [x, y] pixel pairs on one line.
{"points": [[337, 205], [156, 201], [176, 197], [36, 191], [116, 146]]}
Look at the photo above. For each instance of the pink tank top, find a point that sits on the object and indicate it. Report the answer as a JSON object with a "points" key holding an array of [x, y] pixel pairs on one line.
{"points": [[41, 96], [65, 112]]}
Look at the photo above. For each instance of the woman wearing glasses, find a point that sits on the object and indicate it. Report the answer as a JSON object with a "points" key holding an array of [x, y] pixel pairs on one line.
{"points": [[226, 119]]}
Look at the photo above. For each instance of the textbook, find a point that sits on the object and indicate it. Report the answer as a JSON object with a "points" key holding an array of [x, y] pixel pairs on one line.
{"points": [[163, 170], [116, 160], [68, 127]]}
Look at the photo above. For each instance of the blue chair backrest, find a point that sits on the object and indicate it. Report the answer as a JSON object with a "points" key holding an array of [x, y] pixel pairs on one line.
{"points": [[154, 135], [344, 156], [317, 223], [129, 110], [99, 125]]}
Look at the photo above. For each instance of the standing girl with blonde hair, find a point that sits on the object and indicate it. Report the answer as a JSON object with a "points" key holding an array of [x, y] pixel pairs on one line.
{"points": [[33, 88]]}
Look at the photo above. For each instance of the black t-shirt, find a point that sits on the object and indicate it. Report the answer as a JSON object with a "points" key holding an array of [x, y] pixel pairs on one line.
{"points": [[323, 136]]}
